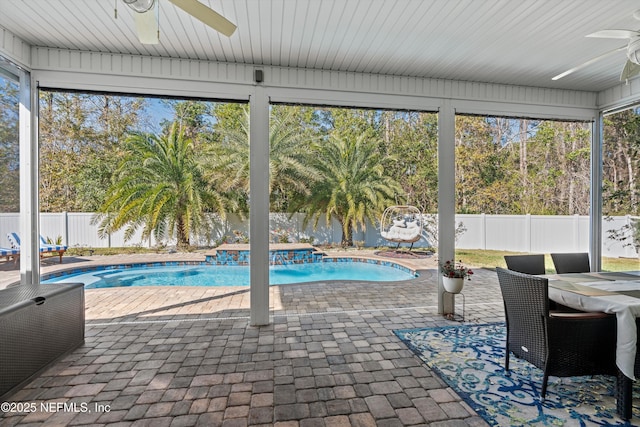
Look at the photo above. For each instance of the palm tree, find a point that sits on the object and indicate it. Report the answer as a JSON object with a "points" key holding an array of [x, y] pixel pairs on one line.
{"points": [[352, 187], [290, 171], [160, 188]]}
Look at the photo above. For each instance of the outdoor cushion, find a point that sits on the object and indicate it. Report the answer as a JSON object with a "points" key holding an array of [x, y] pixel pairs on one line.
{"points": [[8, 252], [398, 223]]}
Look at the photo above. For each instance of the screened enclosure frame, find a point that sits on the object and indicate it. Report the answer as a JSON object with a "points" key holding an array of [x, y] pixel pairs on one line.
{"points": [[297, 87]]}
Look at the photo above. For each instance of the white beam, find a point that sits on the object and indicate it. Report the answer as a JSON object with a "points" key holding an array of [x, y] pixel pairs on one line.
{"points": [[446, 197], [29, 209], [142, 85], [259, 206], [595, 212]]}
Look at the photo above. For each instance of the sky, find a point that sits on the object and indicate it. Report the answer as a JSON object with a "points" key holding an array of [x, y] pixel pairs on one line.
{"points": [[159, 110]]}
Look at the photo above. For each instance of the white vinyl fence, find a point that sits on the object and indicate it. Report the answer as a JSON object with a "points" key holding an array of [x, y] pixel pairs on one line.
{"points": [[518, 233]]}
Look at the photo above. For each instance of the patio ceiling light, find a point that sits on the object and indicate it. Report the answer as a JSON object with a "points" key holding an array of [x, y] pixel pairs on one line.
{"points": [[140, 6]]}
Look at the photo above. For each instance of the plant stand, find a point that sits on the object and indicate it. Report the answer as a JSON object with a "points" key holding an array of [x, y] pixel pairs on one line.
{"points": [[454, 316]]}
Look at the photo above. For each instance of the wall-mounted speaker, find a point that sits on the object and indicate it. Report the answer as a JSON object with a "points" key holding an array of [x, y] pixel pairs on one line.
{"points": [[258, 76]]}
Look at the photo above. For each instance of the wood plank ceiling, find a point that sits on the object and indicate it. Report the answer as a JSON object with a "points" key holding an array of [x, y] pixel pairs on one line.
{"points": [[522, 42]]}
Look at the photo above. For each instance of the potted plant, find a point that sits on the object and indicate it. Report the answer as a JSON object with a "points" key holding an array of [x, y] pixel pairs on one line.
{"points": [[453, 275]]}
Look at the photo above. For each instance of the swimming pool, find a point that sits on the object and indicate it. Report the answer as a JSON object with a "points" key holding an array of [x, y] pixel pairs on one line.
{"points": [[220, 275]]}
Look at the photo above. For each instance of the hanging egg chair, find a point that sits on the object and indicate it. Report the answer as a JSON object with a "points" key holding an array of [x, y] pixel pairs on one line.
{"points": [[401, 224]]}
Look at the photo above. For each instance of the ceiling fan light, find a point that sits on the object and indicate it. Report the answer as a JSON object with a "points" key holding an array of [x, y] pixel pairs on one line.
{"points": [[140, 6], [633, 51]]}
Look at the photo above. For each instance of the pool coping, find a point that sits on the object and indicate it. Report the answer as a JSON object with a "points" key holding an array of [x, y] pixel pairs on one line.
{"points": [[126, 266]]}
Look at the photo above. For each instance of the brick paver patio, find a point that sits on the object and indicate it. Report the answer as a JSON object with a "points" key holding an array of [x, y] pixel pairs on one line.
{"points": [[162, 356]]}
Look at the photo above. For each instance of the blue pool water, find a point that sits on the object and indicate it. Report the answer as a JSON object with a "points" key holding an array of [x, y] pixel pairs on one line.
{"points": [[218, 275]]}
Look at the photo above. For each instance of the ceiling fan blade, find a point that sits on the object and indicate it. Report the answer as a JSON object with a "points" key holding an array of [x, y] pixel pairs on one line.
{"points": [[630, 70], [589, 62], [147, 27], [614, 34], [208, 16]]}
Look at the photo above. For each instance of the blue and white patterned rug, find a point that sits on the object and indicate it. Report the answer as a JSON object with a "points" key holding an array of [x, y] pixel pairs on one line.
{"points": [[470, 359]]}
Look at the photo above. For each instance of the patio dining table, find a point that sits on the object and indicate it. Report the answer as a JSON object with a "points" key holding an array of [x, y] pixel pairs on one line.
{"points": [[615, 293]]}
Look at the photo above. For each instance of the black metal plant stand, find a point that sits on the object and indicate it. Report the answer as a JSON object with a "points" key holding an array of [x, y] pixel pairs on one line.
{"points": [[454, 316]]}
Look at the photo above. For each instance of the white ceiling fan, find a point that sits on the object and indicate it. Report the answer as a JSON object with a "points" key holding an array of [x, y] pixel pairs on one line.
{"points": [[631, 67], [146, 18]]}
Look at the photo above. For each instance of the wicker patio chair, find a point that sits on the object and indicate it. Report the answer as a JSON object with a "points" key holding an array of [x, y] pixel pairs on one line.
{"points": [[528, 264], [571, 262], [532, 264], [561, 344]]}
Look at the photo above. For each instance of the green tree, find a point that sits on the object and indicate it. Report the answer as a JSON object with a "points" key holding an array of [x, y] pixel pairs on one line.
{"points": [[159, 188], [80, 137], [352, 122], [290, 172], [482, 182], [521, 166], [9, 147], [410, 147], [557, 179], [621, 163], [194, 117], [621, 174], [352, 185]]}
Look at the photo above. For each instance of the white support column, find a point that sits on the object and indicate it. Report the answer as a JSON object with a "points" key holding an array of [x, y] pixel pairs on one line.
{"points": [[595, 212], [29, 208], [446, 197], [259, 206]]}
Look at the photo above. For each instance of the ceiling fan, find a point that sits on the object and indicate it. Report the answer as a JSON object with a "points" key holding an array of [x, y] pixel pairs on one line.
{"points": [[631, 67], [146, 18]]}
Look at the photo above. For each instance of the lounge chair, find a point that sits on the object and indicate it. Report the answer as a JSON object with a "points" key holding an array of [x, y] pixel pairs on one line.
{"points": [[9, 253], [45, 248]]}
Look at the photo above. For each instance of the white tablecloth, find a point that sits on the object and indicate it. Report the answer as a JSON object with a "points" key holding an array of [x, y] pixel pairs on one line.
{"points": [[626, 308]]}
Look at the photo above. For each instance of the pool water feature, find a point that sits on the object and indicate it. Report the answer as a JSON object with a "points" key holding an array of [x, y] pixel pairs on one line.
{"points": [[279, 253], [189, 274]]}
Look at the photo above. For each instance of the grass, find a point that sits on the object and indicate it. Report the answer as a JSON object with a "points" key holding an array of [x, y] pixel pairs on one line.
{"points": [[492, 259], [84, 251], [620, 264]]}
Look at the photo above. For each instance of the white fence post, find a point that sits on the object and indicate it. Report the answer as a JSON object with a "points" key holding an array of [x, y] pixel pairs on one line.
{"points": [[483, 231], [65, 225], [576, 233], [527, 236]]}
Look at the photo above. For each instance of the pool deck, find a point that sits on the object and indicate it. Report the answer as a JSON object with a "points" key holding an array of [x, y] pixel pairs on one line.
{"points": [[188, 356]]}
